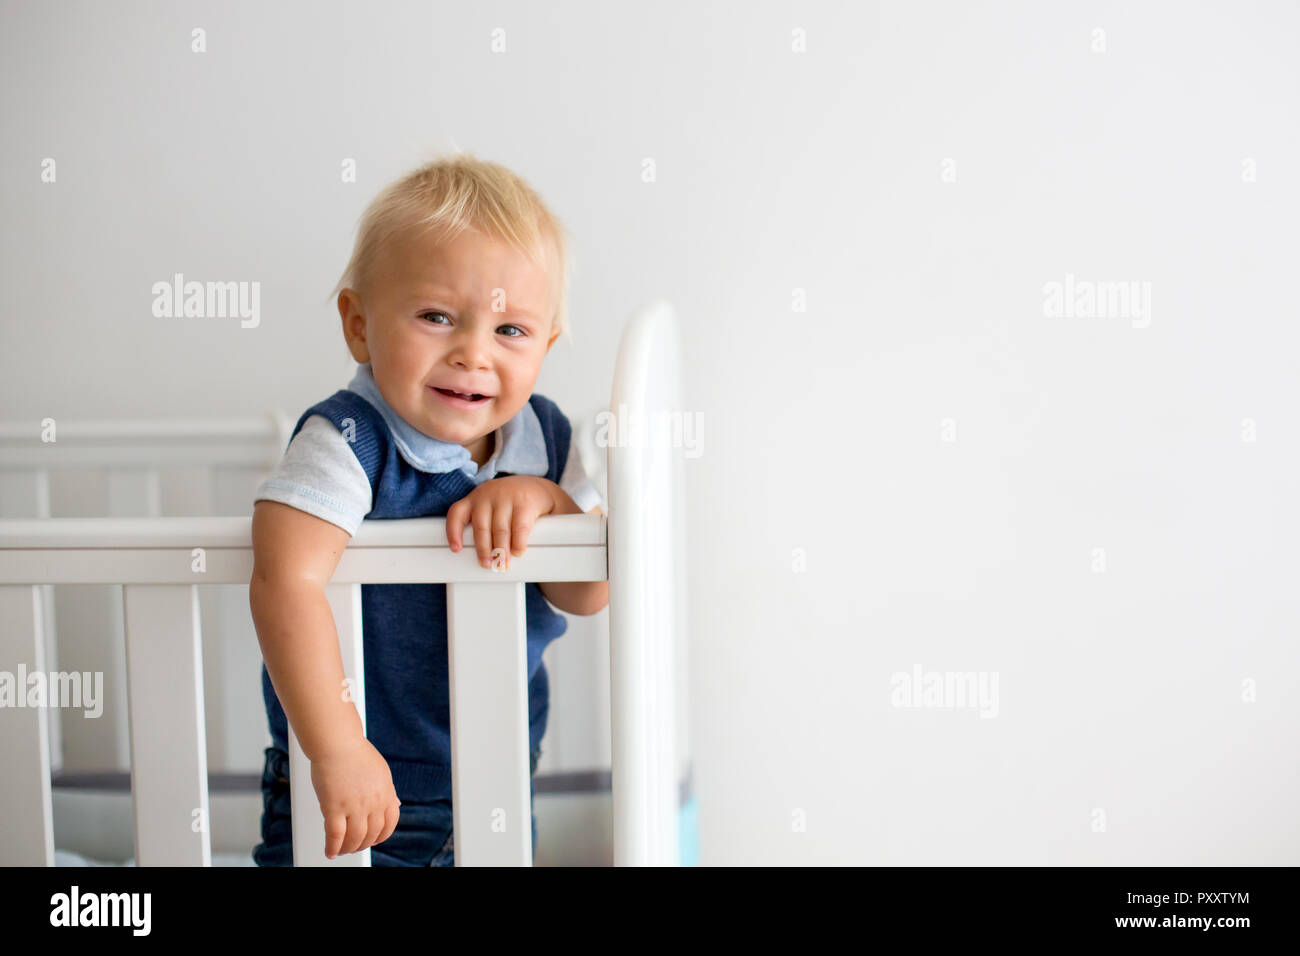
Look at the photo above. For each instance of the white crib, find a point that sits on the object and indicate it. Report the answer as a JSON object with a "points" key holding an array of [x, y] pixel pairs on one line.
{"points": [[160, 561]]}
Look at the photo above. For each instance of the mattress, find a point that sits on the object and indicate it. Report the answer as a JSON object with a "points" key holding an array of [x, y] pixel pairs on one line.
{"points": [[69, 858]]}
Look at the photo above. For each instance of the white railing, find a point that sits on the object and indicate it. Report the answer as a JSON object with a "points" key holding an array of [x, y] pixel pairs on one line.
{"points": [[159, 562]]}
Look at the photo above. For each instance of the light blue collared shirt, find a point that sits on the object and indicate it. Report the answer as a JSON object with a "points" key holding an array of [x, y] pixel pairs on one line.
{"points": [[320, 474], [518, 448]]}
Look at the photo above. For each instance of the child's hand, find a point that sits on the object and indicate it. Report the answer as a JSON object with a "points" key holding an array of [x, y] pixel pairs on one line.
{"points": [[502, 512], [357, 799]]}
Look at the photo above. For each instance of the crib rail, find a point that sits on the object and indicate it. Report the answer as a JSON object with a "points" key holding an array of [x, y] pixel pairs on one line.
{"points": [[160, 561], [234, 442]]}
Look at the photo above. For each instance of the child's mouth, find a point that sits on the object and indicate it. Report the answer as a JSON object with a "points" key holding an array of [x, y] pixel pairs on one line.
{"points": [[461, 399]]}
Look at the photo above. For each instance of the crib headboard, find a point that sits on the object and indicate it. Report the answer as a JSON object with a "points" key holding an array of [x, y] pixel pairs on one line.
{"points": [[647, 594]]}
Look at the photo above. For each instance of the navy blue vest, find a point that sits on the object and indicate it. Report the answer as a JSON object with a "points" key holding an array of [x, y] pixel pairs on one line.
{"points": [[407, 690]]}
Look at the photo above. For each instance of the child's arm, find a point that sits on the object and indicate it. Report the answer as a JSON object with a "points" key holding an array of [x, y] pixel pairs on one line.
{"points": [[502, 512], [576, 597], [294, 556]]}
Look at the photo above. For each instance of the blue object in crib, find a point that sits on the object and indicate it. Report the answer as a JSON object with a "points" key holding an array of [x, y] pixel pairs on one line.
{"points": [[688, 832]]}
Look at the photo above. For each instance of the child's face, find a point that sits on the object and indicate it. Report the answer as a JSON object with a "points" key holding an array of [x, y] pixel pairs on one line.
{"points": [[413, 350]]}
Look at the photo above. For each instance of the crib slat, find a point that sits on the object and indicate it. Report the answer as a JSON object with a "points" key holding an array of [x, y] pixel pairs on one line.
{"points": [[308, 823], [25, 493], [27, 832], [134, 491], [169, 767], [487, 648]]}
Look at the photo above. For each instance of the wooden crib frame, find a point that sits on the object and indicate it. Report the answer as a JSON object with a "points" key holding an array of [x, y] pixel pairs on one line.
{"points": [[160, 561]]}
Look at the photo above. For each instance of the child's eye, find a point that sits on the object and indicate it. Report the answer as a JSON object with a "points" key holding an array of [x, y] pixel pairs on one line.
{"points": [[518, 332]]}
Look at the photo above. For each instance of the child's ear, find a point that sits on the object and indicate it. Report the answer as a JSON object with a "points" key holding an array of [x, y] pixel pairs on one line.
{"points": [[555, 334], [354, 325]]}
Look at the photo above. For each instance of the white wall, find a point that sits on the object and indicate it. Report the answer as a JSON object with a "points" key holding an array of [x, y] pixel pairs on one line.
{"points": [[1119, 691]]}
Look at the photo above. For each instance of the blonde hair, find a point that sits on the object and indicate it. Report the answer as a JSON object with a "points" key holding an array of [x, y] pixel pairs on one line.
{"points": [[458, 192]]}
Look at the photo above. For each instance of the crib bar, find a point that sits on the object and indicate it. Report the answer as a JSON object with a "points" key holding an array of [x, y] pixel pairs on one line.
{"points": [[162, 551], [26, 494], [643, 495], [308, 823], [630, 699], [134, 492], [236, 532], [26, 817], [160, 430], [169, 771], [242, 455], [250, 442], [358, 565], [487, 648]]}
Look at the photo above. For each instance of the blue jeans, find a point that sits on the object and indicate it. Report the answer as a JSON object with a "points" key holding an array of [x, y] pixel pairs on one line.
{"points": [[423, 835]]}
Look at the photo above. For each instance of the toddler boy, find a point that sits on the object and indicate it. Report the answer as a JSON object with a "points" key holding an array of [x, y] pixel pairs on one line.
{"points": [[454, 295]]}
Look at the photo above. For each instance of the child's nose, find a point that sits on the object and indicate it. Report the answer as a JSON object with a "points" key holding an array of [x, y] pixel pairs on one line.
{"points": [[470, 348]]}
